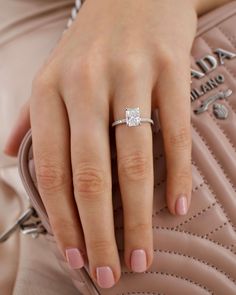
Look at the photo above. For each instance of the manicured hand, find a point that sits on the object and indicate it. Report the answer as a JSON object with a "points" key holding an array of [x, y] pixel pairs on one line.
{"points": [[117, 54]]}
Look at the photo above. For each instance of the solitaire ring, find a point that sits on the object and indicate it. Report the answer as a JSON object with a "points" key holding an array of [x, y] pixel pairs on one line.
{"points": [[132, 118]]}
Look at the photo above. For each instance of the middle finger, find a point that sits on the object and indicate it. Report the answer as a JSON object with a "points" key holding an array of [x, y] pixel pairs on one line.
{"points": [[90, 156]]}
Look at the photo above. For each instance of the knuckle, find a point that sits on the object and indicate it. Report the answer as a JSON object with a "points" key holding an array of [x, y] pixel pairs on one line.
{"points": [[81, 68], [101, 245], [84, 68], [43, 83], [67, 231], [184, 176], [50, 177], [171, 60], [89, 180], [62, 225], [135, 166], [180, 139], [138, 227], [168, 58], [130, 65]]}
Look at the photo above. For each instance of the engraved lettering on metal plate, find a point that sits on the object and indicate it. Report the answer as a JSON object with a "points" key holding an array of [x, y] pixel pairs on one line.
{"points": [[209, 63], [219, 110], [208, 86]]}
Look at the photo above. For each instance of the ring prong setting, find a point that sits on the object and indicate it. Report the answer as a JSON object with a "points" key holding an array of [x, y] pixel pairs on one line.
{"points": [[132, 117]]}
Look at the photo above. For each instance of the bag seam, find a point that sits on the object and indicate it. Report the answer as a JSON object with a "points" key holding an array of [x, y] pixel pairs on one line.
{"points": [[192, 282], [213, 155], [199, 260]]}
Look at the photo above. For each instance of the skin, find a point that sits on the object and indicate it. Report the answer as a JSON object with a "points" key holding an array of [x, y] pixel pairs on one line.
{"points": [[136, 53]]}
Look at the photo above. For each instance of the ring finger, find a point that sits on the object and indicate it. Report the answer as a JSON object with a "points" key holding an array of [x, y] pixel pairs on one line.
{"points": [[135, 168]]}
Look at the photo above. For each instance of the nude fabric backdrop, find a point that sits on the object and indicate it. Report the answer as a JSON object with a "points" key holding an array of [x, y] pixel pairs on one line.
{"points": [[28, 31]]}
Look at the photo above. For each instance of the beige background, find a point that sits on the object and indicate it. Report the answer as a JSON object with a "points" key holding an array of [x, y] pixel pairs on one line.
{"points": [[28, 31]]}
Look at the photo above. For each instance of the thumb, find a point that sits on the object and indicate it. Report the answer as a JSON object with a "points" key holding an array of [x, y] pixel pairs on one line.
{"points": [[21, 126]]}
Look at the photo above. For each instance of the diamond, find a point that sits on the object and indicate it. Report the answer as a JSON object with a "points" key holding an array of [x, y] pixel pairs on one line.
{"points": [[132, 117]]}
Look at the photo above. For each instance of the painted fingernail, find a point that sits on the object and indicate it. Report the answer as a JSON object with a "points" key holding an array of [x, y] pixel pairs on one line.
{"points": [[74, 258], [181, 205], [105, 277], [138, 260]]}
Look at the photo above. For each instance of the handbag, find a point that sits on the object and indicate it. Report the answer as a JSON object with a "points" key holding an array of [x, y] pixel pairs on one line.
{"points": [[195, 253]]}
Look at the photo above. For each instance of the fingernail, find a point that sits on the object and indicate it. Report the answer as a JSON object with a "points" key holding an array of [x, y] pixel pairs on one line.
{"points": [[74, 258], [138, 260], [105, 277], [181, 205]]}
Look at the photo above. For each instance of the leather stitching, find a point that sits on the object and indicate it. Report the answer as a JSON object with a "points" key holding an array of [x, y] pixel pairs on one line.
{"points": [[216, 229], [197, 187], [158, 157], [160, 183], [223, 131], [217, 201], [196, 215], [175, 276], [203, 237], [160, 210], [232, 39], [199, 260], [212, 153]]}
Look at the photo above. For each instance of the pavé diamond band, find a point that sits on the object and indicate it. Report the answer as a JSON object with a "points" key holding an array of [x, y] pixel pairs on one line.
{"points": [[132, 118]]}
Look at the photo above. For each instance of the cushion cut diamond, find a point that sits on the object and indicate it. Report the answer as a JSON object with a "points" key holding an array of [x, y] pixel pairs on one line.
{"points": [[133, 117]]}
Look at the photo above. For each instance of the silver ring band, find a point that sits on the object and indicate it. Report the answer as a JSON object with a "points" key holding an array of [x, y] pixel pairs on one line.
{"points": [[132, 118], [124, 121]]}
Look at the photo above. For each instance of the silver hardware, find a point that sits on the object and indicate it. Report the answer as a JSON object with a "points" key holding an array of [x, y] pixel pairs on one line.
{"points": [[209, 63], [220, 111], [28, 223], [205, 104], [208, 86], [223, 54], [33, 229]]}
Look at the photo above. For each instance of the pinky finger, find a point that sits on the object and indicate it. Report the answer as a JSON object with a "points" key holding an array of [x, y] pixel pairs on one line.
{"points": [[175, 120]]}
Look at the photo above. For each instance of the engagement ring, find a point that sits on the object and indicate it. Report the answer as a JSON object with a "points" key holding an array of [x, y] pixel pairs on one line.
{"points": [[132, 118]]}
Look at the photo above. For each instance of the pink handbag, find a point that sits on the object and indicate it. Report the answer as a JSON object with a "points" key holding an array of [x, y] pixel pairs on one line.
{"points": [[196, 253]]}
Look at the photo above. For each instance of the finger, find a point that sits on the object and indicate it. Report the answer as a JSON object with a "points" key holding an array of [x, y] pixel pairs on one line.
{"points": [[135, 167], [51, 148], [20, 128], [174, 109], [90, 157]]}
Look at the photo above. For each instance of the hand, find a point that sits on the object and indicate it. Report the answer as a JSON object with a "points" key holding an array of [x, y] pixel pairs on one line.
{"points": [[117, 54]]}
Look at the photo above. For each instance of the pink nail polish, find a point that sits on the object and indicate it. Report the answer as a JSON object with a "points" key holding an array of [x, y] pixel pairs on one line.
{"points": [[105, 277], [138, 260], [74, 258], [181, 205]]}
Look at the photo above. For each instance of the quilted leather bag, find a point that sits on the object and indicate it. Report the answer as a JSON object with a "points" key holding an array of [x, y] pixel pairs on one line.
{"points": [[193, 254]]}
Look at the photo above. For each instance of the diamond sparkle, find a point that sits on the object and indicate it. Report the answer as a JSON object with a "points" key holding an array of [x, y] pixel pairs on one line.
{"points": [[132, 117]]}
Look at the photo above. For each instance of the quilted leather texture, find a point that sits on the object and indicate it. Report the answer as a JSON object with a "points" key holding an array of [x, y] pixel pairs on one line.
{"points": [[196, 253]]}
